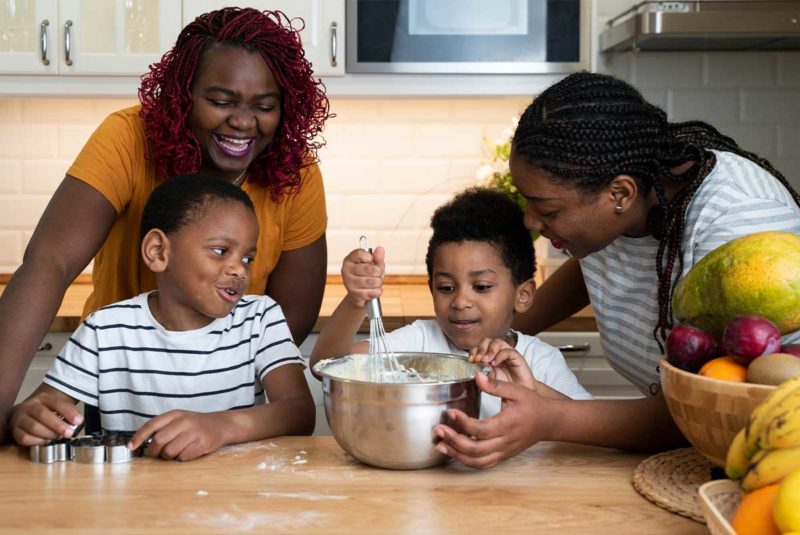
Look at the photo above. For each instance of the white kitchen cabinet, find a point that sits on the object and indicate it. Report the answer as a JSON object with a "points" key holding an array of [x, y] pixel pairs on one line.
{"points": [[86, 37], [323, 35]]}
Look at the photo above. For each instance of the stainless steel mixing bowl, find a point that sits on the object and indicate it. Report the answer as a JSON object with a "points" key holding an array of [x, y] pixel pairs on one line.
{"points": [[390, 425]]}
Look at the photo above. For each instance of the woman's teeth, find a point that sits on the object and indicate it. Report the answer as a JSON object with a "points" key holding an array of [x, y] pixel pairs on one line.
{"points": [[233, 145]]}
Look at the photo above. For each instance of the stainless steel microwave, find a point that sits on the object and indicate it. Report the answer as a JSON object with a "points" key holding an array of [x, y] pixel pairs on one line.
{"points": [[467, 36]]}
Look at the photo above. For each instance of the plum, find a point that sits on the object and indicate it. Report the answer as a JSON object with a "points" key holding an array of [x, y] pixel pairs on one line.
{"points": [[748, 337], [688, 348], [791, 349]]}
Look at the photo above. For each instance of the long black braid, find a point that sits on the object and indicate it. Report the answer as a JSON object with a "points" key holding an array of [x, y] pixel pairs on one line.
{"points": [[590, 128]]}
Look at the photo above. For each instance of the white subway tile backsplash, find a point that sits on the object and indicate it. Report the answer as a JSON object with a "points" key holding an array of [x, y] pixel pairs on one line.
{"points": [[103, 107], [10, 111], [764, 106], [667, 69], [407, 110], [377, 212], [447, 140], [58, 111], [789, 69], [421, 175], [346, 175], [741, 69], [790, 167], [28, 141], [10, 250], [21, 212], [43, 176], [789, 140], [71, 139], [710, 105], [760, 139], [10, 176]]}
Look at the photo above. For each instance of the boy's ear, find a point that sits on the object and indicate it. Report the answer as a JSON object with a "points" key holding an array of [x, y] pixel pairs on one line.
{"points": [[155, 250], [524, 296]]}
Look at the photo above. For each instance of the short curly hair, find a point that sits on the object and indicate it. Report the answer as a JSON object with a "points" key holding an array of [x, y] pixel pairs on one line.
{"points": [[166, 96], [485, 215], [180, 200]]}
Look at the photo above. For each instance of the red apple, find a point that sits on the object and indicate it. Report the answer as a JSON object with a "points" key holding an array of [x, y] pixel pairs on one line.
{"points": [[748, 337], [688, 348], [792, 349]]}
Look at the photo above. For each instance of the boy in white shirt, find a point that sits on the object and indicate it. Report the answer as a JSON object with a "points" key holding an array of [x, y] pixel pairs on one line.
{"points": [[190, 365], [480, 264]]}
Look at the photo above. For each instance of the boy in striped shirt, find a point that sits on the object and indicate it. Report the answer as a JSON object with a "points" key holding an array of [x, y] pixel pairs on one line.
{"points": [[192, 364]]}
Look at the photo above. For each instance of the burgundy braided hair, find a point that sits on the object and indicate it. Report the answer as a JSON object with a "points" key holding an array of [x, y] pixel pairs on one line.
{"points": [[590, 128], [166, 96]]}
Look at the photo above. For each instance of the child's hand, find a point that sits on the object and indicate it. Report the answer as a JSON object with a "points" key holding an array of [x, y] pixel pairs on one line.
{"points": [[362, 274], [507, 364], [181, 435], [47, 415]]}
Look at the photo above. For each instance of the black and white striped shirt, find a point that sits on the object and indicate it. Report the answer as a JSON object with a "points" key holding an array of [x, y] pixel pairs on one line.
{"points": [[737, 198], [124, 362]]}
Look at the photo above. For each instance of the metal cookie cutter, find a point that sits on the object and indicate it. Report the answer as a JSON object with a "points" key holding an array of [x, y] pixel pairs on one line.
{"points": [[109, 446], [53, 451]]}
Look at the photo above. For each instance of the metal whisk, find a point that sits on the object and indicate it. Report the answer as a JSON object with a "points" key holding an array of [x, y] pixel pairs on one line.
{"points": [[383, 365]]}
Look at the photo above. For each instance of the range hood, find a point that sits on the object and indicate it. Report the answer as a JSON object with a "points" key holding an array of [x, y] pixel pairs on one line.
{"points": [[705, 25]]}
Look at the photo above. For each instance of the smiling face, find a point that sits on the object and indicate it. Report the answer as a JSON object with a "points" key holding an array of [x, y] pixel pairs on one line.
{"points": [[206, 266], [236, 109], [474, 296], [577, 221]]}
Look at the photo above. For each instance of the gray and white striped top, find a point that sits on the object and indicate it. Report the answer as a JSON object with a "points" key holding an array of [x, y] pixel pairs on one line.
{"points": [[124, 362], [737, 198]]}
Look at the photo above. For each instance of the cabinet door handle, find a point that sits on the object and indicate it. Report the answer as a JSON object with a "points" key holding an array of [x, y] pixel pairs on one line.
{"points": [[43, 40], [67, 42], [574, 348], [47, 346], [334, 44]]}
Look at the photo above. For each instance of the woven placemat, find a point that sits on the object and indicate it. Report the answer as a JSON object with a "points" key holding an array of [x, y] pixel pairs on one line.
{"points": [[671, 479]]}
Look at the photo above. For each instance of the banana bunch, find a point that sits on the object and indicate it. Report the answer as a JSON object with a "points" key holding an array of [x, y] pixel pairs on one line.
{"points": [[767, 449]]}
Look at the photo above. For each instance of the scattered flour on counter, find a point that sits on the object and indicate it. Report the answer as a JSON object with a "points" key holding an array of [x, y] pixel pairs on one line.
{"points": [[302, 496], [202, 493], [247, 446], [239, 520]]}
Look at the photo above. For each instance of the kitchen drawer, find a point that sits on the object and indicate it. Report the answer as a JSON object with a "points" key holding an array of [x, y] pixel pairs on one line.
{"points": [[586, 359]]}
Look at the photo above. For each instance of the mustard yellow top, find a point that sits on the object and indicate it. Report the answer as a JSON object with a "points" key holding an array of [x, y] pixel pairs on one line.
{"points": [[113, 162]]}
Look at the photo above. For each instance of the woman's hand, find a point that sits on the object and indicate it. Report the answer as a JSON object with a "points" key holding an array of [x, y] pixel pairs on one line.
{"points": [[48, 414], [521, 423], [181, 435], [362, 274], [507, 364]]}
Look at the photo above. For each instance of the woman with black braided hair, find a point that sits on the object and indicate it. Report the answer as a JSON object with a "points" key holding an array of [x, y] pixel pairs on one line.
{"points": [[636, 201]]}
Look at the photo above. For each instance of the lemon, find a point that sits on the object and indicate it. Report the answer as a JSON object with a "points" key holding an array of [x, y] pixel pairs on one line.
{"points": [[786, 509], [755, 274]]}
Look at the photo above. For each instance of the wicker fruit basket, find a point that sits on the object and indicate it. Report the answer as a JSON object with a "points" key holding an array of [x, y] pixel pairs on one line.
{"points": [[719, 500], [709, 411]]}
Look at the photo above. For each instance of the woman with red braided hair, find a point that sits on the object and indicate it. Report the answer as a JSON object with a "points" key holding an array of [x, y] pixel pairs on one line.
{"points": [[234, 99], [636, 201]]}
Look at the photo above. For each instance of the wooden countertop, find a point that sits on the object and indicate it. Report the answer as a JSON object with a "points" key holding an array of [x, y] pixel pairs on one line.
{"points": [[262, 488], [405, 299]]}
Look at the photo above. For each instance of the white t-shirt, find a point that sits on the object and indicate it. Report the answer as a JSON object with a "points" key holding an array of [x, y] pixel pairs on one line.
{"points": [[122, 361], [737, 198], [546, 362]]}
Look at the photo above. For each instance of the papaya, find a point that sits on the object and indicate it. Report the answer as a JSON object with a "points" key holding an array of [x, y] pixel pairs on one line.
{"points": [[754, 274]]}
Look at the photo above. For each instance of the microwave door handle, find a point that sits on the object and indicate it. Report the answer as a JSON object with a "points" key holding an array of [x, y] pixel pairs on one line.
{"points": [[333, 44]]}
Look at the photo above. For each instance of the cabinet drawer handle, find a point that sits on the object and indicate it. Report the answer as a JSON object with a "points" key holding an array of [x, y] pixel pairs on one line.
{"points": [[67, 42], [43, 40], [47, 346], [334, 44], [574, 348]]}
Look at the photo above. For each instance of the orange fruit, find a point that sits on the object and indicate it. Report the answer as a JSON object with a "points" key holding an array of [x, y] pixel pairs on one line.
{"points": [[724, 368], [754, 515]]}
